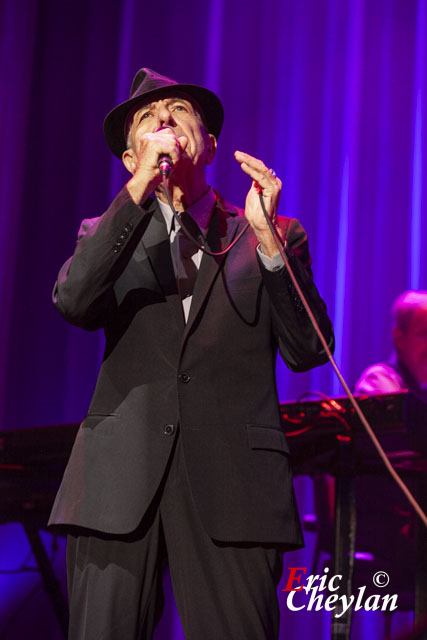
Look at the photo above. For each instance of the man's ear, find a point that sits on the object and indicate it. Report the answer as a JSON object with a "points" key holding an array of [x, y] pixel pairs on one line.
{"points": [[211, 149], [129, 159]]}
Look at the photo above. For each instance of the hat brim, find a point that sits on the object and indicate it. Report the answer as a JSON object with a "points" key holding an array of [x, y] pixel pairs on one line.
{"points": [[209, 103]]}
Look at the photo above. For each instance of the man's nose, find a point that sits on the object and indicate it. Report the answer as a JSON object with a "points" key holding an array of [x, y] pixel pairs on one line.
{"points": [[165, 117]]}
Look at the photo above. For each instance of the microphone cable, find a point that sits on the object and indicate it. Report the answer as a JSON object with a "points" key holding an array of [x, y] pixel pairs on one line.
{"points": [[164, 172], [351, 397]]}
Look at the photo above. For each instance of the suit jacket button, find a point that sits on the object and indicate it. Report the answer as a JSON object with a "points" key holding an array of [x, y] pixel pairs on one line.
{"points": [[169, 429], [184, 377]]}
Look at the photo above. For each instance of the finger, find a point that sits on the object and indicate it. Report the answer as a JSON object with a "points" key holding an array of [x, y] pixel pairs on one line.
{"points": [[257, 170], [261, 176], [180, 143], [272, 185], [164, 141], [250, 161]]}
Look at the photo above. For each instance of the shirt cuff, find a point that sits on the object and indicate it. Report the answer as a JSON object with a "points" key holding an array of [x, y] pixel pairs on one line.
{"points": [[271, 264]]}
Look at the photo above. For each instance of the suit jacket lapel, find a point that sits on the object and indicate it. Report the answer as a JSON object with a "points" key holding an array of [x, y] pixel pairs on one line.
{"points": [[222, 230], [157, 247]]}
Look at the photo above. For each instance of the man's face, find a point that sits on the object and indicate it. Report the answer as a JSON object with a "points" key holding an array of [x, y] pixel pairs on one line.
{"points": [[179, 113], [411, 345]]}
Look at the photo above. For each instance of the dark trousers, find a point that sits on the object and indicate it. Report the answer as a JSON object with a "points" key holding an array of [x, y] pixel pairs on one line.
{"points": [[222, 591]]}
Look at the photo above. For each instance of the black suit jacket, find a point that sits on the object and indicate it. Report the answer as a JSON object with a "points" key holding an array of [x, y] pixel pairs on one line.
{"points": [[212, 379]]}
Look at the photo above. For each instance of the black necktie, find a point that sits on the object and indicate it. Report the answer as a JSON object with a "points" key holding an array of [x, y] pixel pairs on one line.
{"points": [[183, 250]]}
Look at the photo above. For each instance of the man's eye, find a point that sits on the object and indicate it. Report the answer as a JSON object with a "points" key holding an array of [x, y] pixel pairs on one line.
{"points": [[145, 116], [180, 107]]}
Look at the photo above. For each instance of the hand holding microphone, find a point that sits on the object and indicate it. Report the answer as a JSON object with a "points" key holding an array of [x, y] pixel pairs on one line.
{"points": [[154, 155], [165, 162]]}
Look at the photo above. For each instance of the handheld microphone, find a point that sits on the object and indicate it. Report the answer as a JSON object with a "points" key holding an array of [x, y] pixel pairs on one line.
{"points": [[165, 165], [164, 162]]}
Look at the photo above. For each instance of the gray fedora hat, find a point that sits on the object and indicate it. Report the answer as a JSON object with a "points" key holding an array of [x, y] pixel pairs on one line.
{"points": [[148, 83]]}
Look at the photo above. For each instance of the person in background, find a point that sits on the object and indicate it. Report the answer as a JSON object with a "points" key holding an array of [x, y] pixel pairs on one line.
{"points": [[407, 368], [382, 508]]}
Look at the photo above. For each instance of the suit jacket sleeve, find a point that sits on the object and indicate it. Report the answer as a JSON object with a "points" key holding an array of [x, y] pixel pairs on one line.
{"points": [[298, 343], [83, 292]]}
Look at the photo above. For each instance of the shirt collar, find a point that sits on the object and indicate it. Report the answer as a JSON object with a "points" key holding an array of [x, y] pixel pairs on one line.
{"points": [[200, 211]]}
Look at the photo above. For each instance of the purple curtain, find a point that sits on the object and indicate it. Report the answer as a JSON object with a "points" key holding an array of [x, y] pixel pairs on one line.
{"points": [[331, 94]]}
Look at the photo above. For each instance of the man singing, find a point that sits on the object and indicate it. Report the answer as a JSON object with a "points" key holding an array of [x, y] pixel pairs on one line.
{"points": [[182, 455]]}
